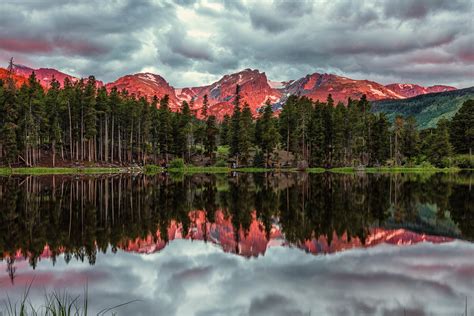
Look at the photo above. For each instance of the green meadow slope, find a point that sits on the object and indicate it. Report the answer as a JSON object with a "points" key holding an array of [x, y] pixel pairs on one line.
{"points": [[426, 108]]}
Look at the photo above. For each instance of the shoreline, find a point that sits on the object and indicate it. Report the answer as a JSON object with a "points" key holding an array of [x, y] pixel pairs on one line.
{"points": [[151, 169]]}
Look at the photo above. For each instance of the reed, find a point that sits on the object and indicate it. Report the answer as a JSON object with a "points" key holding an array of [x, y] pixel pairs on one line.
{"points": [[55, 303]]}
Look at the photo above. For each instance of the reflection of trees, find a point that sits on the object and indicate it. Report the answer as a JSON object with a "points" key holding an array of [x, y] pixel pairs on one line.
{"points": [[79, 216], [333, 203], [409, 191], [461, 204]]}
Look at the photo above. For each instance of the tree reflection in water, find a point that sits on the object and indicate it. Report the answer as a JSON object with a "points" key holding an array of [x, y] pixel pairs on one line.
{"points": [[44, 216]]}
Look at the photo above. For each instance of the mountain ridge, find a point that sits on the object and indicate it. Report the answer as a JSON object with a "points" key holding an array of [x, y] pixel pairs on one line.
{"points": [[409, 90], [255, 88]]}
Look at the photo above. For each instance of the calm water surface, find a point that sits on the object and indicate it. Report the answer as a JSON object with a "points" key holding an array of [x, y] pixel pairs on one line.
{"points": [[243, 244]]}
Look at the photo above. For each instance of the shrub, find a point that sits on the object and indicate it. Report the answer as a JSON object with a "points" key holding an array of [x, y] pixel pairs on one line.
{"points": [[420, 159], [221, 163], [426, 165], [259, 159], [223, 152], [447, 162], [152, 169], [177, 163], [464, 161]]}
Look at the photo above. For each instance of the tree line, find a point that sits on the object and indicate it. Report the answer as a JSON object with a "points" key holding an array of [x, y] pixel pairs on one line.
{"points": [[81, 123]]}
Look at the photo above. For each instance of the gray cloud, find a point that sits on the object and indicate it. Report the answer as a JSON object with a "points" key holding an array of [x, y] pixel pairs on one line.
{"points": [[421, 8], [194, 42], [278, 16]]}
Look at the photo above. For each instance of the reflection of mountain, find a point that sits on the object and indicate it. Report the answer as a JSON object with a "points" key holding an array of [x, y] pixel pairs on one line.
{"points": [[427, 221], [256, 241]]}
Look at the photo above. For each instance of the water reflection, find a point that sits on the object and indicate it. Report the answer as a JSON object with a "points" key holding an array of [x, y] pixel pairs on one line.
{"points": [[122, 227], [80, 216], [197, 278]]}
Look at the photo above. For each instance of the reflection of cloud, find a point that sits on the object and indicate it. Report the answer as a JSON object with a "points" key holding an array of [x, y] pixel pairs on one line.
{"points": [[194, 278], [273, 304]]}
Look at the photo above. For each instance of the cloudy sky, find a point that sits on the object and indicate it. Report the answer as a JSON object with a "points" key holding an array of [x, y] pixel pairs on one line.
{"points": [[195, 42], [193, 278]]}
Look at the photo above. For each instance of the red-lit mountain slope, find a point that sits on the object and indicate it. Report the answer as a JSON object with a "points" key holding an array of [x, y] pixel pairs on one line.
{"points": [[147, 85], [408, 90], [319, 86]]}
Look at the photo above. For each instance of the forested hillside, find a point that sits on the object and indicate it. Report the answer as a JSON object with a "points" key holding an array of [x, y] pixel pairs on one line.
{"points": [[427, 109]]}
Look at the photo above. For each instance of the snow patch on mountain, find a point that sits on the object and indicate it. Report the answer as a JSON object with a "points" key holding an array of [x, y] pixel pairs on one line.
{"points": [[375, 91], [276, 84], [148, 76]]}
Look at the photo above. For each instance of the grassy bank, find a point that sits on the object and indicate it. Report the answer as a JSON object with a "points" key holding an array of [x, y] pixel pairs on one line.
{"points": [[152, 169], [48, 170], [393, 169], [193, 169]]}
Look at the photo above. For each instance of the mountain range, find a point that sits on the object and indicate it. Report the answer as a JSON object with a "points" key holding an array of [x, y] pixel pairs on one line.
{"points": [[255, 88]]}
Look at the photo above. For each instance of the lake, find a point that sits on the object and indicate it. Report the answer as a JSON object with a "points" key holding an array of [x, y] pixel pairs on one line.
{"points": [[243, 243]]}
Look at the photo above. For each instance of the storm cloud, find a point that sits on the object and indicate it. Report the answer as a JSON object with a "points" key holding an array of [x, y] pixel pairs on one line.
{"points": [[194, 42]]}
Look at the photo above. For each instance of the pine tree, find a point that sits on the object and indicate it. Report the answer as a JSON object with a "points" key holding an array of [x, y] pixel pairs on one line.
{"points": [[67, 100], [410, 139], [304, 108], [114, 106], [205, 105], [8, 126], [144, 130], [9, 144], [235, 126], [182, 131], [398, 126], [165, 128], [379, 146], [266, 133], [130, 126], [224, 131], [316, 136], [246, 133], [102, 113], [328, 131], [90, 117], [155, 128], [338, 124], [439, 146], [78, 113], [364, 108], [212, 131], [288, 123], [462, 129], [54, 117], [31, 120], [187, 124], [354, 132]]}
